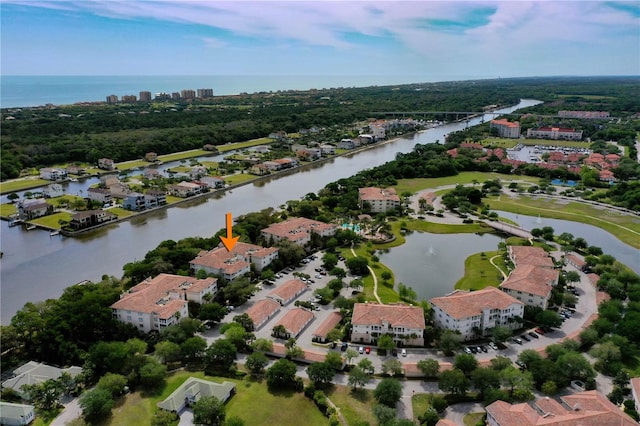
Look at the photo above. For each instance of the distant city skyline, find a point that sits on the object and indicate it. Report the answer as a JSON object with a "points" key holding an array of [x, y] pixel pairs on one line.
{"points": [[432, 41]]}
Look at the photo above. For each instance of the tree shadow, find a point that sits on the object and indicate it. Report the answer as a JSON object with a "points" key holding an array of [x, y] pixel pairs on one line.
{"points": [[361, 395]]}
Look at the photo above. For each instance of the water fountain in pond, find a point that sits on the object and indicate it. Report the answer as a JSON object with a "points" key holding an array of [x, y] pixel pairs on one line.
{"points": [[431, 252]]}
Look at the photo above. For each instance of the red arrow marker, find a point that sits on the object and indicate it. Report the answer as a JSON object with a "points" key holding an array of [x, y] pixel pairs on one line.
{"points": [[229, 241]]}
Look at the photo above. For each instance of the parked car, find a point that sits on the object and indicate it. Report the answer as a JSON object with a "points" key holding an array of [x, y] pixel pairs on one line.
{"points": [[467, 350], [344, 346], [367, 350], [493, 346], [360, 349], [517, 340], [521, 364], [534, 335], [539, 330], [525, 338], [318, 276], [484, 348], [394, 352], [404, 352]]}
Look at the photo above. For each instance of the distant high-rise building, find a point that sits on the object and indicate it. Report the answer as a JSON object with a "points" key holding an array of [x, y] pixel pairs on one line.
{"points": [[112, 99], [175, 96], [145, 96], [162, 96], [506, 129], [129, 98], [205, 93], [188, 94]]}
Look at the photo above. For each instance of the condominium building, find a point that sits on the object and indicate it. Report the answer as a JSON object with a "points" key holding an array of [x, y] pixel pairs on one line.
{"points": [[234, 263], [112, 99], [298, 230], [205, 93], [531, 284], [506, 129], [160, 302], [555, 133], [129, 98], [402, 322], [378, 200], [475, 313], [144, 96], [187, 94], [529, 255]]}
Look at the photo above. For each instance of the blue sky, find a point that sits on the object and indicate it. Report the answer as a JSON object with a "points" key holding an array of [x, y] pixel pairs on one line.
{"points": [[433, 40]]}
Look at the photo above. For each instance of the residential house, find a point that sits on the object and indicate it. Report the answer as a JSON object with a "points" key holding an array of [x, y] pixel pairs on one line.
{"points": [[101, 195], [50, 173], [234, 263], [262, 311], [555, 133], [155, 198], [346, 144], [33, 208], [298, 230], [366, 139], [309, 154], [377, 131], [529, 255], [76, 170], [108, 181], [327, 149], [583, 408], [151, 173], [475, 313], [197, 172], [151, 157], [53, 190], [280, 135], [134, 201], [329, 323], [404, 323], [212, 182], [119, 190], [506, 129], [90, 218], [378, 200], [260, 170], [160, 302], [185, 189], [606, 176], [192, 390], [261, 149], [531, 284], [576, 261], [16, 414], [34, 373], [294, 321], [106, 164], [285, 293]]}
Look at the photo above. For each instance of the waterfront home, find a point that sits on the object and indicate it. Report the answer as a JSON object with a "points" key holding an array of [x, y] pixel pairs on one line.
{"points": [[366, 139], [262, 311], [346, 144], [279, 135], [327, 149], [107, 181], [151, 157], [101, 195], [294, 321], [309, 154], [76, 170], [260, 170], [53, 190], [192, 390], [106, 164], [33, 208], [34, 373], [298, 230], [583, 408], [49, 173], [405, 324], [531, 284], [235, 263], [119, 190], [160, 302], [529, 255], [16, 414], [378, 200], [329, 323], [197, 172], [285, 293], [134, 201], [185, 189], [154, 198], [212, 182], [151, 173], [473, 314], [89, 218]]}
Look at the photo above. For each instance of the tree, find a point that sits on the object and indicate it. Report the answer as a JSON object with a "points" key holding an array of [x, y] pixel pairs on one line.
{"points": [[386, 276], [262, 345], [358, 265], [193, 348], [392, 367], [500, 333], [450, 342], [429, 367], [572, 277], [453, 382], [212, 312], [45, 396], [164, 418], [245, 321], [367, 365], [237, 335], [385, 415], [358, 377], [256, 362], [430, 417], [113, 383], [152, 374], [329, 261], [220, 355], [575, 366], [208, 410], [334, 359], [388, 392], [513, 378], [549, 388], [549, 319], [338, 273], [168, 351], [499, 363], [320, 373], [96, 404], [386, 342], [279, 331], [281, 374], [485, 378], [465, 363], [529, 357]]}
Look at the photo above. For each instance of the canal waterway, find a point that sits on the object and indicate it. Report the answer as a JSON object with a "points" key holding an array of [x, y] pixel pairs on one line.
{"points": [[36, 266]]}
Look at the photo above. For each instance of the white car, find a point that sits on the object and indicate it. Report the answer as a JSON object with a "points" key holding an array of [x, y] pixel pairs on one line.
{"points": [[403, 352], [361, 349]]}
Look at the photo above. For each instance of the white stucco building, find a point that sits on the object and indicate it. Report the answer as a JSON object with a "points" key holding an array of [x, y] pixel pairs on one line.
{"points": [[404, 323]]}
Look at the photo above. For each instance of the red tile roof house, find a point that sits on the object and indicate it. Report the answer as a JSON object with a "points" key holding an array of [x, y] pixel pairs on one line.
{"points": [[262, 311], [294, 321], [379, 200], [531, 284], [589, 408], [529, 255], [404, 323], [575, 261], [160, 302], [234, 263], [288, 291], [329, 323], [475, 313], [298, 230]]}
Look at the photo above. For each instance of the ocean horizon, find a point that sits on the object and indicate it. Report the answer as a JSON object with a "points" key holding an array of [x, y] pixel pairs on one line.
{"points": [[30, 91]]}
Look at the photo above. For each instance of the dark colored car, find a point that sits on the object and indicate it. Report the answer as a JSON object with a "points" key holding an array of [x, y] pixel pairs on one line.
{"points": [[534, 335], [394, 352], [525, 338], [539, 330], [344, 347]]}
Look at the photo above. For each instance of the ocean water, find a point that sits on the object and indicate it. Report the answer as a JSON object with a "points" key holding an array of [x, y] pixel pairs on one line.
{"points": [[23, 91]]}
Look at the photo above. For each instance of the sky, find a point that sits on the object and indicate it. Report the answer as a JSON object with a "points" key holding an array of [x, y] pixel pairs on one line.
{"points": [[436, 40]]}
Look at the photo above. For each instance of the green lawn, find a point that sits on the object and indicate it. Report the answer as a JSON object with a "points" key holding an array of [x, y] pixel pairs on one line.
{"points": [[131, 164], [173, 199], [355, 406], [480, 273], [21, 184], [472, 419], [8, 209], [385, 290], [239, 178], [420, 402], [419, 184], [120, 212], [52, 220], [184, 155], [624, 227], [245, 144], [510, 143]]}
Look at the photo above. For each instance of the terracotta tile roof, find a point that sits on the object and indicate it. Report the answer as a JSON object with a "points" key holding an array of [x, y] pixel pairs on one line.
{"points": [[372, 193], [232, 261], [504, 122], [635, 385], [328, 324], [295, 320], [446, 422], [262, 309], [593, 278], [575, 260], [396, 315], [531, 279], [288, 290], [465, 304], [530, 255], [297, 228]]}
